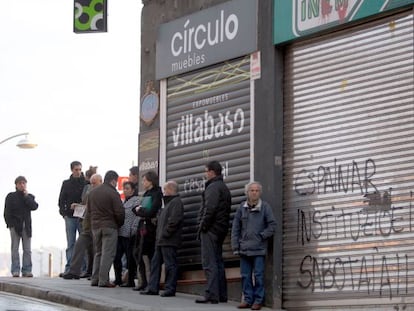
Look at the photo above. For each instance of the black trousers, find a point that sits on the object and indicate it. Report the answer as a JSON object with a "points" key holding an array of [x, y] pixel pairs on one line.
{"points": [[125, 247], [213, 266], [143, 246]]}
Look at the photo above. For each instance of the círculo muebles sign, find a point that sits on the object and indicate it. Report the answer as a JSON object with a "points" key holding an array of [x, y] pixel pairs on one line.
{"points": [[207, 37]]}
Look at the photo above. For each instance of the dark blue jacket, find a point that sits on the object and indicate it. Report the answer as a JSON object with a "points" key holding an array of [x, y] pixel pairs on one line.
{"points": [[252, 228]]}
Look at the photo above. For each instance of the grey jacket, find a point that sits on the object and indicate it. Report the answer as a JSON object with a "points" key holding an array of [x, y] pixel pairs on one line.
{"points": [[251, 229], [130, 226]]}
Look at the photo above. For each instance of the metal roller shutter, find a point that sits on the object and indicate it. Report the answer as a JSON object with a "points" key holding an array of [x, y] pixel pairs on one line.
{"points": [[349, 169], [208, 118]]}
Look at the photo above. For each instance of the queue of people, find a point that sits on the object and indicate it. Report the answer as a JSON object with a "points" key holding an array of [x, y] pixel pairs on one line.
{"points": [[141, 233]]}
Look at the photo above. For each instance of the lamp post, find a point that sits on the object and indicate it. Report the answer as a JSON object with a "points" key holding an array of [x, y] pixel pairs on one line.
{"points": [[24, 143]]}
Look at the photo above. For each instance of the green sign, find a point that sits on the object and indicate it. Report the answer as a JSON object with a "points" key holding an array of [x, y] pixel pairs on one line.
{"points": [[298, 18], [89, 16]]}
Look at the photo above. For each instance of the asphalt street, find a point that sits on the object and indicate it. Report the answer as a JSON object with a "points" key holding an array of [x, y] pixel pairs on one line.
{"points": [[12, 302]]}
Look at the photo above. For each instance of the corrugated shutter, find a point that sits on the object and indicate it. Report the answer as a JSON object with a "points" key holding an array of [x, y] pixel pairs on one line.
{"points": [[208, 118], [349, 169]]}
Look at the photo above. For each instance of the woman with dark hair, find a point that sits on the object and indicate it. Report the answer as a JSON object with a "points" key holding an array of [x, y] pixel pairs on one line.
{"points": [[148, 209], [126, 237]]}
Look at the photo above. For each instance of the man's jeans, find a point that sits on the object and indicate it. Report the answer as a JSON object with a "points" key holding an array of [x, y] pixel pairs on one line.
{"points": [[72, 225], [27, 252], [168, 256], [252, 266]]}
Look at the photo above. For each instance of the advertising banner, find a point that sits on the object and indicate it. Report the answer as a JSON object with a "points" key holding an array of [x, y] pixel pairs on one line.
{"points": [[299, 18]]}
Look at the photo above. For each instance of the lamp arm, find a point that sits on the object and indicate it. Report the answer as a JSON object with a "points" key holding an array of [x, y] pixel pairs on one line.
{"points": [[14, 136]]}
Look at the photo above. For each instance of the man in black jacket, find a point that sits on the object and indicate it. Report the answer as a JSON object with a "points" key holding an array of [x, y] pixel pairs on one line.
{"points": [[70, 193], [17, 214], [214, 218], [168, 239]]}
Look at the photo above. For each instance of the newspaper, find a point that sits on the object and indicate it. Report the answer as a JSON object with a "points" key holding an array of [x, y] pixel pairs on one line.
{"points": [[79, 210]]}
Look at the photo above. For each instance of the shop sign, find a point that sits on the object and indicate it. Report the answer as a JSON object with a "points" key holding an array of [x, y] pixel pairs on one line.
{"points": [[207, 37], [150, 104], [90, 16], [311, 16]]}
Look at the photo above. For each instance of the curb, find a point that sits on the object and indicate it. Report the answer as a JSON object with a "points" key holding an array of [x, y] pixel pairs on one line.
{"points": [[60, 298]]}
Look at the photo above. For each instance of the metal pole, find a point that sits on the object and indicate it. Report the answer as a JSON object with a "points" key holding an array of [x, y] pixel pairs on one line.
{"points": [[50, 265], [62, 268]]}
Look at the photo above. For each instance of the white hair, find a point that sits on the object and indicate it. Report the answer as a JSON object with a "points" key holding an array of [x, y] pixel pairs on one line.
{"points": [[247, 186]]}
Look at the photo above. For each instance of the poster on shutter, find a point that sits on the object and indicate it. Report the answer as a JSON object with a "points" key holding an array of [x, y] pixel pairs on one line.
{"points": [[148, 155], [208, 118], [255, 67]]}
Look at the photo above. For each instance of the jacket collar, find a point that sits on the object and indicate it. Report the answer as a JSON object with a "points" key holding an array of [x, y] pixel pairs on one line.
{"points": [[216, 178], [254, 208], [77, 179], [168, 198]]}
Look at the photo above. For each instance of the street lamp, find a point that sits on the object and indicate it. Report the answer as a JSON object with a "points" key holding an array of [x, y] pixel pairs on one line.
{"points": [[24, 143]]}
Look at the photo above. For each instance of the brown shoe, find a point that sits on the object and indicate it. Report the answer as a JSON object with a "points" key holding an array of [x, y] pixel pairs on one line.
{"points": [[256, 306], [244, 305], [108, 285]]}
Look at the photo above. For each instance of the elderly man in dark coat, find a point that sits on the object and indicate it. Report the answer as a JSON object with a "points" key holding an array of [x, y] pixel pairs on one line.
{"points": [[253, 225], [168, 239]]}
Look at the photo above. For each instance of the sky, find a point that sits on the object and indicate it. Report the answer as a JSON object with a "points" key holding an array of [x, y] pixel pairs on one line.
{"points": [[78, 96]]}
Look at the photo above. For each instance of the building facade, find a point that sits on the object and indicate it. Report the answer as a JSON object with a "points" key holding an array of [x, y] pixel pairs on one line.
{"points": [[313, 98]]}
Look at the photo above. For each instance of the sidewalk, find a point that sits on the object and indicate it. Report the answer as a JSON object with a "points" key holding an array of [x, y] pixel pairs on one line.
{"points": [[79, 293]]}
